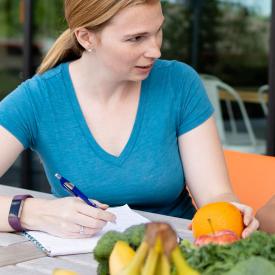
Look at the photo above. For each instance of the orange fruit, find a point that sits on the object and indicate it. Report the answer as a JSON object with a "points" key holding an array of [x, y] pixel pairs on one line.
{"points": [[217, 216]]}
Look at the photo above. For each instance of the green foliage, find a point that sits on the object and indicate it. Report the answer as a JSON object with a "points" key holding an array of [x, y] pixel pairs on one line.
{"points": [[103, 267], [132, 235], [218, 259], [175, 31], [135, 234], [49, 18], [253, 266], [106, 243]]}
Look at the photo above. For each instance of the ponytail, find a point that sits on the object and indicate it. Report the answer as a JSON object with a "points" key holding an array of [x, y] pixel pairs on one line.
{"points": [[64, 49]]}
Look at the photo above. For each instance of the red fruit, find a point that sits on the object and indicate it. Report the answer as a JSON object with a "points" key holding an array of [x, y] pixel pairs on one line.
{"points": [[219, 237]]}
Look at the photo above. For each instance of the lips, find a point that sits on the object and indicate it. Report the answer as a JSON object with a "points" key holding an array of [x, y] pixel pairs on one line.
{"points": [[145, 67]]}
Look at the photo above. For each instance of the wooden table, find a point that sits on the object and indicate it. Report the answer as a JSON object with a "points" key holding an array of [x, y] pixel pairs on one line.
{"points": [[246, 96], [19, 256]]}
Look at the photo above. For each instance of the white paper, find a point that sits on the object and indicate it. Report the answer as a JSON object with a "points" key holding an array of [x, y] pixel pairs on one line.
{"points": [[58, 246]]}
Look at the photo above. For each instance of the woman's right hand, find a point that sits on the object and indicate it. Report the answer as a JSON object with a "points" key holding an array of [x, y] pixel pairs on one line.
{"points": [[67, 217]]}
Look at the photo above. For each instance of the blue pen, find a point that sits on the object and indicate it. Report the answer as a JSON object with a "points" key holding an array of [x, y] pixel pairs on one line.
{"points": [[74, 190]]}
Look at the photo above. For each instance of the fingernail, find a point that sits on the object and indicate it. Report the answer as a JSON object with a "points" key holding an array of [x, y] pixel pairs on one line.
{"points": [[246, 221]]}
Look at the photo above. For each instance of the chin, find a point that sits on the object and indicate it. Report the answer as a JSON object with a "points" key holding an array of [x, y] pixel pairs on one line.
{"points": [[220, 237]]}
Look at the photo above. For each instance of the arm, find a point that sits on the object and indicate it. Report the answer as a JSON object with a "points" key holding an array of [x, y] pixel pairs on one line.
{"points": [[10, 149], [41, 214], [206, 172], [266, 216], [204, 165]]}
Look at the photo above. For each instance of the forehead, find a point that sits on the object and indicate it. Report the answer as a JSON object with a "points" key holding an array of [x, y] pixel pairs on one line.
{"points": [[137, 18]]}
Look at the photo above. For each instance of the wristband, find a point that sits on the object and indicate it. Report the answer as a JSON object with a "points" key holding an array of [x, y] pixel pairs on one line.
{"points": [[16, 210]]}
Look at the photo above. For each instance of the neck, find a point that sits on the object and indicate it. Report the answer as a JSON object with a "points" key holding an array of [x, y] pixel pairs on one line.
{"points": [[96, 83]]}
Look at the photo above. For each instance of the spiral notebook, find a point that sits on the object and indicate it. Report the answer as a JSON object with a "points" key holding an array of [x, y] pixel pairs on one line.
{"points": [[54, 246]]}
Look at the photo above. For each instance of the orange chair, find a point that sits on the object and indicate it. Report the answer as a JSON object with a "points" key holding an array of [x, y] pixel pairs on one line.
{"points": [[252, 177]]}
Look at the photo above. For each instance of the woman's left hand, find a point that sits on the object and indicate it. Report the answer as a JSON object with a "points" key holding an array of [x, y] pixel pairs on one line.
{"points": [[250, 222]]}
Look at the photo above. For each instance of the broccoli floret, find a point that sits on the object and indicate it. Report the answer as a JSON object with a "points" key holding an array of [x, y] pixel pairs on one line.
{"points": [[135, 234], [103, 267], [105, 245]]}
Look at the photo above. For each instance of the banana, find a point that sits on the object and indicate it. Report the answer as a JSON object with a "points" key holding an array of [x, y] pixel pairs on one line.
{"points": [[182, 267], [150, 264], [121, 256], [60, 271], [163, 265], [134, 267]]}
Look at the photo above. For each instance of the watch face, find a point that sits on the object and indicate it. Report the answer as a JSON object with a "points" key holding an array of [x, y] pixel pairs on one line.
{"points": [[15, 207]]}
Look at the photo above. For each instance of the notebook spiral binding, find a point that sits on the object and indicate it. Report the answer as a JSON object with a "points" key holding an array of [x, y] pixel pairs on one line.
{"points": [[36, 243]]}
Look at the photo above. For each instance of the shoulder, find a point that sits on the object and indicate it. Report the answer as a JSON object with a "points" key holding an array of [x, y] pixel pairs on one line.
{"points": [[53, 75], [174, 67], [40, 86], [175, 76], [35, 91], [178, 74]]}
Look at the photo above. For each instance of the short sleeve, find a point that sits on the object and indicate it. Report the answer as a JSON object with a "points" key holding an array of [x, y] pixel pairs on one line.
{"points": [[17, 115], [194, 105]]}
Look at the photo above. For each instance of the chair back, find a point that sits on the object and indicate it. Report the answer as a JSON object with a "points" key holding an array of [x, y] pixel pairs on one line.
{"points": [[252, 177], [232, 139], [261, 92]]}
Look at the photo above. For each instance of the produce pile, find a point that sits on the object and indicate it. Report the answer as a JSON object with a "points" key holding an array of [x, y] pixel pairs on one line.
{"points": [[253, 255], [218, 249], [157, 253]]}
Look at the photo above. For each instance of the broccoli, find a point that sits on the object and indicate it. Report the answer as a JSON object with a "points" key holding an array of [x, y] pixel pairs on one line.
{"points": [[135, 234], [103, 267], [105, 245]]}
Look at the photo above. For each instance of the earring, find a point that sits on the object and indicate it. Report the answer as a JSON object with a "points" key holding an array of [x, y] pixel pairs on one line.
{"points": [[93, 50]]}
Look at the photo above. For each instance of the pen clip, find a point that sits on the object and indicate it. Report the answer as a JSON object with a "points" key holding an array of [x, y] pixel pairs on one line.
{"points": [[65, 183]]}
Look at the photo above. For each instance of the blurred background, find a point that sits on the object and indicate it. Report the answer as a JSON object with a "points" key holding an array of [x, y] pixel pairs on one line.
{"points": [[226, 41]]}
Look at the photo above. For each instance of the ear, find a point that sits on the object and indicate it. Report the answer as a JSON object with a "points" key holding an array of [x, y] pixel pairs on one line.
{"points": [[86, 38]]}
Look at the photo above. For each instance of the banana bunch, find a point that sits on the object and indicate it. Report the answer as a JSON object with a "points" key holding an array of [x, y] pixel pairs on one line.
{"points": [[155, 255]]}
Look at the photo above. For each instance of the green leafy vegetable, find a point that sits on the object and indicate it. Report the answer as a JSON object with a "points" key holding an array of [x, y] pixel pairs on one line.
{"points": [[106, 243], [253, 266], [219, 259]]}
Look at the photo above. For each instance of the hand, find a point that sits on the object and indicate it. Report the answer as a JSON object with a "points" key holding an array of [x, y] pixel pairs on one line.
{"points": [[250, 222], [66, 217]]}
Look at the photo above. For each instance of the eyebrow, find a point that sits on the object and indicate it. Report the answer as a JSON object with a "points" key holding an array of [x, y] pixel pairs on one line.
{"points": [[142, 33]]}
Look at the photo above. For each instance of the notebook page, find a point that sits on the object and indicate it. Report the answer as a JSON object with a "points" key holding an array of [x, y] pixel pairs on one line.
{"points": [[54, 246]]}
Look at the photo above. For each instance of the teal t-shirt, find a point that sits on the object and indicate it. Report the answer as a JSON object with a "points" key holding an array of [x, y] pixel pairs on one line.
{"points": [[43, 113]]}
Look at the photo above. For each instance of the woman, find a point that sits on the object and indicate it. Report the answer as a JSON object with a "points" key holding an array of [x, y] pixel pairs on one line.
{"points": [[115, 120], [266, 216]]}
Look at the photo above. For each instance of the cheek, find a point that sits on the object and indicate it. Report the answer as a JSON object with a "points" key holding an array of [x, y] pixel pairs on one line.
{"points": [[120, 56]]}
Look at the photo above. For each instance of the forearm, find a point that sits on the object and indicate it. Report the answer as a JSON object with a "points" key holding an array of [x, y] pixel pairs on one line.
{"points": [[30, 217], [266, 216], [230, 197], [5, 203]]}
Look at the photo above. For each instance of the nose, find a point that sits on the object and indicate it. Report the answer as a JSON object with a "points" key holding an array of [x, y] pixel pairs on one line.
{"points": [[153, 48]]}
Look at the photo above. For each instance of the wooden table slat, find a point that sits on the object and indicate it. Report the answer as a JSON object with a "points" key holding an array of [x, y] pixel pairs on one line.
{"points": [[19, 252]]}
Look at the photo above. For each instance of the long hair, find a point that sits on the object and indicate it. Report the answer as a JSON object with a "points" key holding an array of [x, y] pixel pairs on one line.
{"points": [[90, 14]]}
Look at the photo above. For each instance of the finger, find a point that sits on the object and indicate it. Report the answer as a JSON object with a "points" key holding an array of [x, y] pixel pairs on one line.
{"points": [[246, 211], [101, 205], [189, 226], [85, 233], [95, 213], [253, 226], [89, 221]]}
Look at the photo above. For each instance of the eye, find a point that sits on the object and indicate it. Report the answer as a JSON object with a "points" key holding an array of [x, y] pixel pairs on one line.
{"points": [[136, 39]]}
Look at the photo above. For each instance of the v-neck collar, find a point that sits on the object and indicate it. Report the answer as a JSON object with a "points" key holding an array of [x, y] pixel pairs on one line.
{"points": [[116, 160]]}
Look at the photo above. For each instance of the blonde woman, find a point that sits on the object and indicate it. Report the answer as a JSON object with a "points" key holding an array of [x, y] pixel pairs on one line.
{"points": [[123, 125]]}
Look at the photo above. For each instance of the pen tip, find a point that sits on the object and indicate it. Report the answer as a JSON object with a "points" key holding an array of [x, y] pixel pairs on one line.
{"points": [[57, 176]]}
